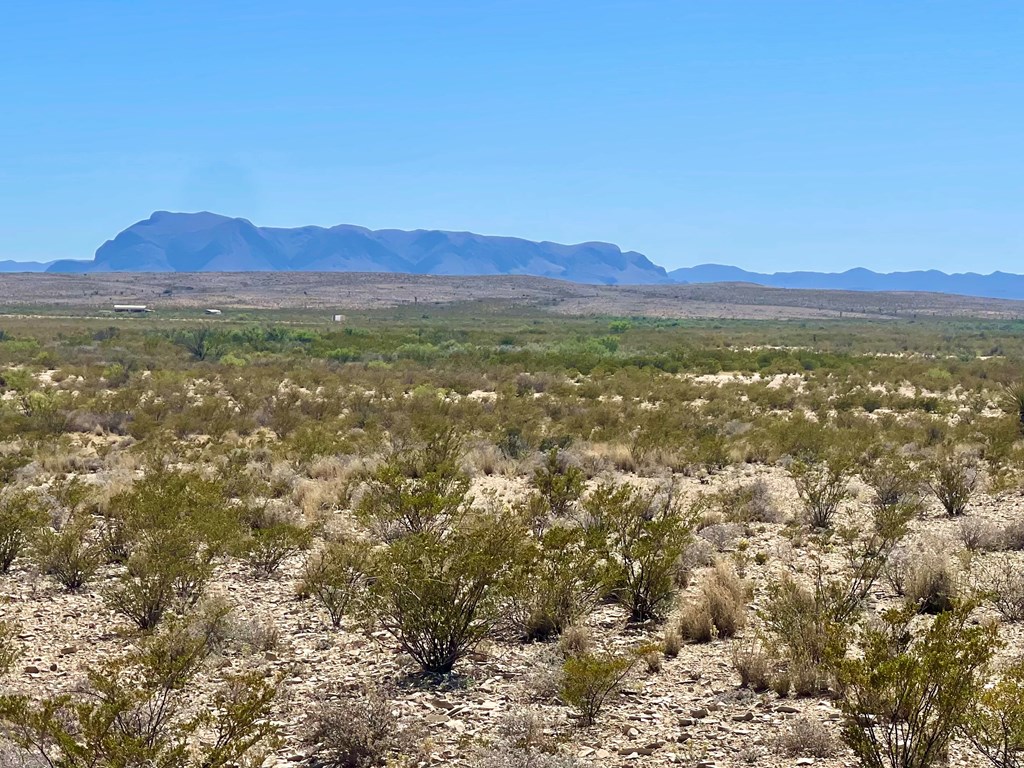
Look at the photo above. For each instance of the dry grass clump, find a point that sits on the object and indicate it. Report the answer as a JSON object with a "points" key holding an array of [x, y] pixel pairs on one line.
{"points": [[357, 730], [981, 535], [575, 641], [603, 457], [932, 582], [754, 666], [524, 741], [1003, 584], [720, 609], [806, 737]]}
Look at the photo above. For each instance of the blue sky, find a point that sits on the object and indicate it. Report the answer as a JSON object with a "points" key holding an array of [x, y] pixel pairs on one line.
{"points": [[769, 134]]}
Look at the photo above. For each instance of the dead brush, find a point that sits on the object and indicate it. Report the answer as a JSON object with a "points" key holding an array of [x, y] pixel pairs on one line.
{"points": [[720, 609]]}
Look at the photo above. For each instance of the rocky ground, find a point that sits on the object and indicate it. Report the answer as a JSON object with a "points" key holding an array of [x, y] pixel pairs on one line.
{"points": [[690, 712]]}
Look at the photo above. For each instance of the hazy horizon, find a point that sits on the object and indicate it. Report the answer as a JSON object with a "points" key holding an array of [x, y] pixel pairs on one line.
{"points": [[772, 137]]}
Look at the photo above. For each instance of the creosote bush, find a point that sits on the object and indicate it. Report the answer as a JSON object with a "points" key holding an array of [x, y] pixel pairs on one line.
{"points": [[589, 679], [822, 486], [69, 555], [559, 483], [336, 576], [643, 536], [953, 479], [419, 488], [994, 723], [136, 711], [272, 537], [555, 581], [20, 518], [907, 691], [439, 595]]}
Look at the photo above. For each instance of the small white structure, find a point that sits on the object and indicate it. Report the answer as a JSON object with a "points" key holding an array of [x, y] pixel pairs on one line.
{"points": [[339, 318], [131, 308], [212, 311]]}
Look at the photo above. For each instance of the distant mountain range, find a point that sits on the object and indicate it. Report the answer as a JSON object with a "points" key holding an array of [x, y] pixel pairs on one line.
{"points": [[207, 242], [998, 285]]}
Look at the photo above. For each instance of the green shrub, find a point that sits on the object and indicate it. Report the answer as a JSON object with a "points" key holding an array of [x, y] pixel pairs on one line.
{"points": [[162, 573], [905, 693], [9, 650], [136, 711], [559, 483], [555, 582], [271, 539], [895, 487], [589, 679], [805, 626], [20, 518], [438, 596], [822, 486], [69, 555], [336, 576], [643, 537], [418, 489], [995, 722], [953, 480]]}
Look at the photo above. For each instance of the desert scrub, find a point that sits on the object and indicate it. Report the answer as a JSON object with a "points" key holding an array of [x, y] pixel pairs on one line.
{"points": [[642, 535], [822, 486], [439, 596], [417, 489], [9, 649], [559, 483], [523, 742], [805, 626], [20, 517], [895, 486], [907, 691], [272, 536], [336, 575], [555, 581], [994, 724], [135, 710], [953, 478], [589, 679], [807, 738], [357, 730], [70, 555], [742, 503]]}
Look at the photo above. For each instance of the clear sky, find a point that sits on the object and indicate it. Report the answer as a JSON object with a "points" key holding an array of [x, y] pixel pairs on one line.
{"points": [[768, 134]]}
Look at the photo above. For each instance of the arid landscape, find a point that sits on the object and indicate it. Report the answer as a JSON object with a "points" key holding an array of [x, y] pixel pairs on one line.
{"points": [[323, 291], [507, 522]]}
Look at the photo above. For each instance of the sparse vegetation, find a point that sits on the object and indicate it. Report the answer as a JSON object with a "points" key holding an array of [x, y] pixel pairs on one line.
{"points": [[488, 506]]}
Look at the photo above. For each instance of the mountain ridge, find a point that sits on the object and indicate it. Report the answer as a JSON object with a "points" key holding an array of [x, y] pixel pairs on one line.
{"points": [[209, 242], [996, 285]]}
